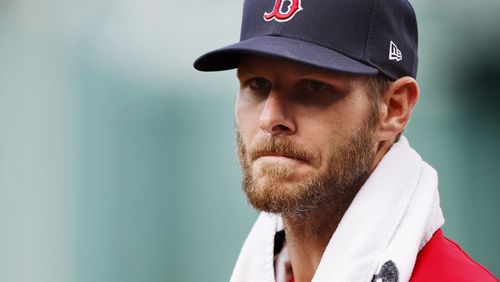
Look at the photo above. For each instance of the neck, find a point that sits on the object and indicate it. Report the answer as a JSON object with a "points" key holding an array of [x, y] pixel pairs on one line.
{"points": [[308, 235]]}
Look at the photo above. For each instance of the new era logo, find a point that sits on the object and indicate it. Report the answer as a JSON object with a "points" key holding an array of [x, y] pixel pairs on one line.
{"points": [[394, 53]]}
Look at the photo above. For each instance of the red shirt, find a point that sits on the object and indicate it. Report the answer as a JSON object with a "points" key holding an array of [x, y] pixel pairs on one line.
{"points": [[443, 260]]}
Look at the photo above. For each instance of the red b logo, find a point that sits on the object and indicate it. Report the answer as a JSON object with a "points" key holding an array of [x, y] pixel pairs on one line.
{"points": [[283, 12]]}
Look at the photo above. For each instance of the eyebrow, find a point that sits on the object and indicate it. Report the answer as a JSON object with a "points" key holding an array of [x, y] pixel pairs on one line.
{"points": [[244, 68], [243, 63], [346, 84], [337, 79]]}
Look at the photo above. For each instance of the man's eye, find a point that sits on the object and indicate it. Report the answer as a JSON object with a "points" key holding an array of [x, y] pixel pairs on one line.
{"points": [[260, 83], [316, 85]]}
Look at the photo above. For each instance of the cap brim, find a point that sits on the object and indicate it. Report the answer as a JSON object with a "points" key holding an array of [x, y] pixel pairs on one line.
{"points": [[283, 47]]}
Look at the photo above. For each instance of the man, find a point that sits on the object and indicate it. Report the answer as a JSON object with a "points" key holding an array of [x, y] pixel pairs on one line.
{"points": [[326, 90]]}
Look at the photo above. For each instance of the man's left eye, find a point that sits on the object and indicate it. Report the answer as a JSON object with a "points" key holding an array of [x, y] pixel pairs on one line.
{"points": [[316, 85]]}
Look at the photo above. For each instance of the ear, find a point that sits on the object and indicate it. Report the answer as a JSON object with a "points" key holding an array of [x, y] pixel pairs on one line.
{"points": [[396, 107]]}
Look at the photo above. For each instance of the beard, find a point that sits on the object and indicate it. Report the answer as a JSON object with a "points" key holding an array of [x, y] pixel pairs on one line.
{"points": [[348, 165]]}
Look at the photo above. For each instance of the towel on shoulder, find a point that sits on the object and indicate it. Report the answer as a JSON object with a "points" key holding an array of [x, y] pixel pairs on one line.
{"points": [[390, 233]]}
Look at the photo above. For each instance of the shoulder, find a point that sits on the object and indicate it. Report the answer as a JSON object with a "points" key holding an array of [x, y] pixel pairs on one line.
{"points": [[443, 260]]}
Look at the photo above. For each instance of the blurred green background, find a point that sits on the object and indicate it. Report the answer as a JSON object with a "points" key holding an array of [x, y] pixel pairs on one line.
{"points": [[117, 159]]}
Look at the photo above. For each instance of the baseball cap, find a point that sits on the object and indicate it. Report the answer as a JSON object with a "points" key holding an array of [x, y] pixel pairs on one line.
{"points": [[364, 37]]}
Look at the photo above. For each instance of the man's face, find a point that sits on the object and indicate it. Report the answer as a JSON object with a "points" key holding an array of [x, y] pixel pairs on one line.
{"points": [[305, 135]]}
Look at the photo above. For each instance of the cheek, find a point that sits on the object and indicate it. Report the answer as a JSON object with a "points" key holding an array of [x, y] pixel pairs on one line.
{"points": [[247, 117], [347, 116]]}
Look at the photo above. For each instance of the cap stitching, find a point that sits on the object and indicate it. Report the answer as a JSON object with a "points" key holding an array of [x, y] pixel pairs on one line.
{"points": [[371, 33], [415, 59], [369, 38], [368, 34]]}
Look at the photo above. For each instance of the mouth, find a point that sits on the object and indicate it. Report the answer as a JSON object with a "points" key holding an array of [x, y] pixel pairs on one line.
{"points": [[275, 155]]}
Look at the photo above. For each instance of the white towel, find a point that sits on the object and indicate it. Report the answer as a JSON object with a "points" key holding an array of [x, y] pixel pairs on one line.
{"points": [[389, 221]]}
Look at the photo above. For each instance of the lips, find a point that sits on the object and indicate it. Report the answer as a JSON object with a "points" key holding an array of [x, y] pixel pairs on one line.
{"points": [[275, 154], [279, 146]]}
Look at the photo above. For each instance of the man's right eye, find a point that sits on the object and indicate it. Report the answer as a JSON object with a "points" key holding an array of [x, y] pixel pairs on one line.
{"points": [[260, 83]]}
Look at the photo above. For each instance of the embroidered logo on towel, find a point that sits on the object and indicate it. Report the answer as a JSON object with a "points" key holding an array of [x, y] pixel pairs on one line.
{"points": [[388, 273]]}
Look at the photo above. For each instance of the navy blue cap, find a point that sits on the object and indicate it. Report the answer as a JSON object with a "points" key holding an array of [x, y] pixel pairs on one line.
{"points": [[353, 36]]}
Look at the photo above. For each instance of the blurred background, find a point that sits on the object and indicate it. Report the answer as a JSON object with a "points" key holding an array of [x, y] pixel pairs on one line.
{"points": [[117, 159]]}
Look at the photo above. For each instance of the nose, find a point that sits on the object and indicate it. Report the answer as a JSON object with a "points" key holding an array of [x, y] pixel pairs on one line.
{"points": [[276, 117]]}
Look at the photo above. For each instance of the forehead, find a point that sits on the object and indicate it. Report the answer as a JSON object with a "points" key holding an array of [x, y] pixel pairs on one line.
{"points": [[262, 65]]}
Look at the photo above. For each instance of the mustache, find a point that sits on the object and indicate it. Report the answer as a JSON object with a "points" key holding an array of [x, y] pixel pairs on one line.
{"points": [[281, 146]]}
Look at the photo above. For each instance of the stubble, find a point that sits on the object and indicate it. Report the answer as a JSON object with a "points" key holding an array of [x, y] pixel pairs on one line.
{"points": [[348, 166]]}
